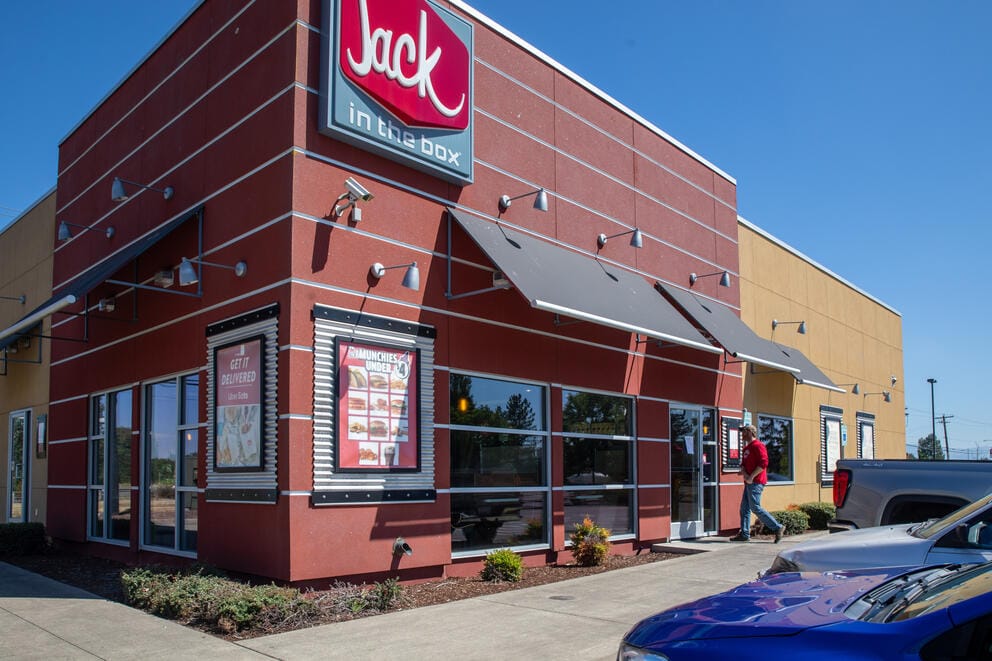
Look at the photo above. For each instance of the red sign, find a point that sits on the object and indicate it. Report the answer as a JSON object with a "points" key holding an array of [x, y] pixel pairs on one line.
{"points": [[238, 405], [405, 56], [377, 407]]}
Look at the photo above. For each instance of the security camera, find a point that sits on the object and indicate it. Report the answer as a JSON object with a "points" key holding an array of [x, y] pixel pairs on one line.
{"points": [[357, 191]]}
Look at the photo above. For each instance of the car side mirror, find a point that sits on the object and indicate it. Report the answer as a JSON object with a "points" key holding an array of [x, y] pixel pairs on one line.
{"points": [[961, 532]]}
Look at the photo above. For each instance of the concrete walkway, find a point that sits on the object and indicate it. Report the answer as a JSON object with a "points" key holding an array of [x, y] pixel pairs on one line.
{"points": [[582, 618]]}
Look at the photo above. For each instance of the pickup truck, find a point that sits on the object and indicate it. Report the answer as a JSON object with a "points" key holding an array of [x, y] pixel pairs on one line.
{"points": [[882, 492]]}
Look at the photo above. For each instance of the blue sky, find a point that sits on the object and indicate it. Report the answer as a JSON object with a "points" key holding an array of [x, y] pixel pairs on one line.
{"points": [[858, 133]]}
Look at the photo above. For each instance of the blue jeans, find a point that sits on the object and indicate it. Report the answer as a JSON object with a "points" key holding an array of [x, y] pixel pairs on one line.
{"points": [[751, 502]]}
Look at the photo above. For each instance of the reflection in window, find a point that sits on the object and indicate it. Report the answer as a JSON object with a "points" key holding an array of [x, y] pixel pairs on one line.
{"points": [[482, 402], [499, 473], [171, 458], [496, 460], [776, 434], [110, 466], [609, 509], [598, 450], [483, 521]]}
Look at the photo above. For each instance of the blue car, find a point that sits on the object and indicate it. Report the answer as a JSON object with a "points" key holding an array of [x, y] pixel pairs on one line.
{"points": [[933, 613]]}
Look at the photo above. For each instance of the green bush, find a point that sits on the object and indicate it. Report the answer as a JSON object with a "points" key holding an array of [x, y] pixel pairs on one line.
{"points": [[22, 538], [383, 595], [590, 543], [819, 514], [502, 565], [199, 597], [796, 522]]}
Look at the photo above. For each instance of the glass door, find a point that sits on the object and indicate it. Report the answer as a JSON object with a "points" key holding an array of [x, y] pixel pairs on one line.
{"points": [[687, 453], [18, 443]]}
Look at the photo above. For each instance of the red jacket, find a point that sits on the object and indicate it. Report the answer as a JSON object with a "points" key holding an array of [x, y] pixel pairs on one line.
{"points": [[755, 455]]}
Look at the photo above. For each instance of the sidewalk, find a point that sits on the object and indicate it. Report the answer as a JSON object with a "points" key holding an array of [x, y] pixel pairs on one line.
{"points": [[582, 618]]}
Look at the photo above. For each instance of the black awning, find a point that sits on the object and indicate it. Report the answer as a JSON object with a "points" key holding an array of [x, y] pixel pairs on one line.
{"points": [[91, 278], [741, 342], [557, 280]]}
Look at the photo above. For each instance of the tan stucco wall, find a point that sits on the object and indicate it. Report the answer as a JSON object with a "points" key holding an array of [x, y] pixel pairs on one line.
{"points": [[26, 268], [850, 336]]}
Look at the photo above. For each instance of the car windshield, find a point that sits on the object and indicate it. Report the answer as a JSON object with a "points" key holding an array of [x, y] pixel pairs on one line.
{"points": [[935, 526], [922, 591]]}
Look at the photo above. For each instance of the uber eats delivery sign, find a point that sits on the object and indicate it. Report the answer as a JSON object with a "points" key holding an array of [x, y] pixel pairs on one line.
{"points": [[397, 80]]}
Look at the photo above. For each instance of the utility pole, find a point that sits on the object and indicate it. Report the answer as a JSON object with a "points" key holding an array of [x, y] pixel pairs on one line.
{"points": [[933, 420], [947, 445]]}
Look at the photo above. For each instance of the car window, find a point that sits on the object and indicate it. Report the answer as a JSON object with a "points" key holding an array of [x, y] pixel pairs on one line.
{"points": [[964, 585], [931, 528], [974, 533], [971, 640]]}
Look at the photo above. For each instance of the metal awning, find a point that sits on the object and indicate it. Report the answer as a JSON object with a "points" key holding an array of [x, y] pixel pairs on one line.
{"points": [[91, 278], [557, 280], [741, 342]]}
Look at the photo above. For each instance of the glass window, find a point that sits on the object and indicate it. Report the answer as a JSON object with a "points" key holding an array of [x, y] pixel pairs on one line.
{"points": [[598, 449], [491, 459], [499, 466], [483, 402], [609, 509], [110, 466], [502, 519], [171, 451], [776, 434]]}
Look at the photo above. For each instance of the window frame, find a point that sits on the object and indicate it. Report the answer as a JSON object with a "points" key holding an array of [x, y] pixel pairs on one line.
{"points": [[109, 440], [544, 489], [631, 439], [791, 446], [181, 427]]}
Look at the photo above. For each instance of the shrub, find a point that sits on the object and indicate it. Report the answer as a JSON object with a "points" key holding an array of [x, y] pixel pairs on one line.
{"points": [[502, 565], [819, 514], [590, 543], [22, 538], [383, 595], [795, 521]]}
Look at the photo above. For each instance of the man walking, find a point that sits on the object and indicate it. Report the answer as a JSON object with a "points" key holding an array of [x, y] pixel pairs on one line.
{"points": [[754, 468]]}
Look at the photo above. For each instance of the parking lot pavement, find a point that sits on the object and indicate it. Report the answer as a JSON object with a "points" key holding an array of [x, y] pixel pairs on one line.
{"points": [[582, 618]]}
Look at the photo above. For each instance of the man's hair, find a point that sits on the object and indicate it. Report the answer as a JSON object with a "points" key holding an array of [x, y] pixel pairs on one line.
{"points": [[752, 429]]}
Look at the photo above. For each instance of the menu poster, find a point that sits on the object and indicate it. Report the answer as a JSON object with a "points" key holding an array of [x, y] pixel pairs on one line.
{"points": [[731, 434], [238, 415], [377, 407]]}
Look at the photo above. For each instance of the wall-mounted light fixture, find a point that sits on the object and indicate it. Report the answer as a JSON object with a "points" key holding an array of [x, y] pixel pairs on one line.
{"points": [[636, 239], [189, 276], [106, 305], [886, 395], [355, 192], [856, 390], [802, 325], [411, 279], [118, 194], [65, 233], [724, 278], [540, 202], [893, 379], [20, 299]]}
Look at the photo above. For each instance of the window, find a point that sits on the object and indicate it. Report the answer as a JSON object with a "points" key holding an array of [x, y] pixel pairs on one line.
{"points": [[598, 460], [866, 435], [830, 442], [171, 454], [499, 467], [776, 434], [109, 483]]}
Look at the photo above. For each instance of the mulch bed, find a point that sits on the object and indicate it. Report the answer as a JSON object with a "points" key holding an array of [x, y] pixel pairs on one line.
{"points": [[102, 577]]}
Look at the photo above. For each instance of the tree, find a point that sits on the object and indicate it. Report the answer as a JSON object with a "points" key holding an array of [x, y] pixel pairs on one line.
{"points": [[929, 447]]}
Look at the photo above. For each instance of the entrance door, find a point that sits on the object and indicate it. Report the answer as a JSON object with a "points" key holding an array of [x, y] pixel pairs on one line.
{"points": [[18, 442], [687, 453]]}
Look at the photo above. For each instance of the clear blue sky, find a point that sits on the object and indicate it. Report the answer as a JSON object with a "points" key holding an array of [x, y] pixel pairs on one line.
{"points": [[858, 132]]}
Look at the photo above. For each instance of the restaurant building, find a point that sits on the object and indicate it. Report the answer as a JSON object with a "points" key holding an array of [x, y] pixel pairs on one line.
{"points": [[369, 288]]}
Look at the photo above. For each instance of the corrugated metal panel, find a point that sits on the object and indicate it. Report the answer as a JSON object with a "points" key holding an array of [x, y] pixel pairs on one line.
{"points": [[261, 486], [325, 369]]}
